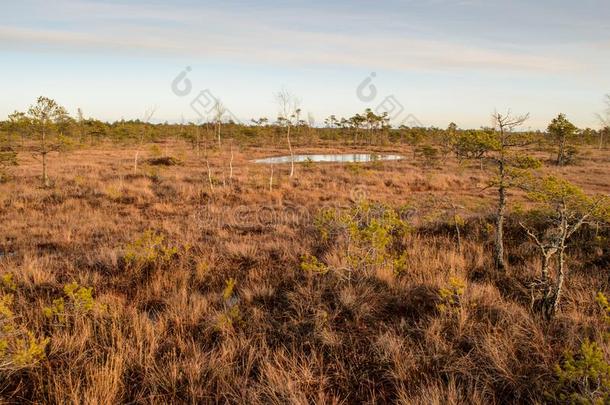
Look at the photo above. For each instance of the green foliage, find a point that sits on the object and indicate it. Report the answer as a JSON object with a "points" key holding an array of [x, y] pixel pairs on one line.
{"points": [[554, 191], [605, 307], [78, 301], [229, 318], [584, 378], [46, 114], [308, 163], [19, 347], [429, 154], [7, 159], [114, 193], [354, 168], [149, 248], [80, 297], [372, 233], [66, 143], [561, 127], [231, 315], [400, 264], [375, 161], [474, 144], [155, 151], [561, 131], [324, 223], [7, 282], [451, 295], [571, 154], [227, 293], [525, 162], [311, 264]]}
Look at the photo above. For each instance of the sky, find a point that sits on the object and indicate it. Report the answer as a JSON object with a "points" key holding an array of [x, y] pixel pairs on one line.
{"points": [[425, 62]]}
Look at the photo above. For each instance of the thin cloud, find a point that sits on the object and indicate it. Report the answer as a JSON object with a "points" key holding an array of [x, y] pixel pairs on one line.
{"points": [[281, 47]]}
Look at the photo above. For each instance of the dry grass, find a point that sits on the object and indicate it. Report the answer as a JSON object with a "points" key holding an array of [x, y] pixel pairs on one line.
{"points": [[166, 333]]}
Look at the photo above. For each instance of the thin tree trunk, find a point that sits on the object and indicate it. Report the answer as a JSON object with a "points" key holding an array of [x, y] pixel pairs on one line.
{"points": [[559, 282], [560, 157], [546, 260], [198, 141], [45, 177], [207, 163], [291, 153], [459, 237], [553, 294], [231, 164], [218, 133], [499, 241], [135, 162], [271, 179]]}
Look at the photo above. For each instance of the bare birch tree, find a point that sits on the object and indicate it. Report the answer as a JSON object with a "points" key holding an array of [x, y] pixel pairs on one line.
{"points": [[219, 111], [288, 105], [504, 161], [565, 209], [604, 119]]}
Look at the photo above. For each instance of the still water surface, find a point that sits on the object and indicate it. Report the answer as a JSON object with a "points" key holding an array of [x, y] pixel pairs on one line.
{"points": [[328, 158]]}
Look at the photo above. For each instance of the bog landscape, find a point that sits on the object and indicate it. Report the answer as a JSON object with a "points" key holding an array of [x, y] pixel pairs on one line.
{"points": [[305, 202], [150, 262]]}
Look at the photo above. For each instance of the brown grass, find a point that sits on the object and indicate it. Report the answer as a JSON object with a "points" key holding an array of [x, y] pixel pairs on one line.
{"points": [[339, 337]]}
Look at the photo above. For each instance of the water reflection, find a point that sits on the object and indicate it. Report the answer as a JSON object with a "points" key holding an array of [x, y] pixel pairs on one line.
{"points": [[329, 158]]}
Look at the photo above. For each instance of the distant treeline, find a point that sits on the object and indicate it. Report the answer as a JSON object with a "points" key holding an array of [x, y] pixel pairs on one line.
{"points": [[90, 131]]}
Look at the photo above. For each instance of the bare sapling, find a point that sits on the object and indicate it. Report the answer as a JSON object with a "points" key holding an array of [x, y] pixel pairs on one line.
{"points": [[207, 164], [288, 105], [604, 119], [219, 112], [231, 163], [271, 179], [505, 162]]}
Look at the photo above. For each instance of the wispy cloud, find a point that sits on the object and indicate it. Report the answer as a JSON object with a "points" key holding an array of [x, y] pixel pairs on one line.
{"points": [[547, 53], [264, 38]]}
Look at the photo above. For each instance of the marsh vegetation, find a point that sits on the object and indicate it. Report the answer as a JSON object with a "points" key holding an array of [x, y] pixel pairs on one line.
{"points": [[475, 270]]}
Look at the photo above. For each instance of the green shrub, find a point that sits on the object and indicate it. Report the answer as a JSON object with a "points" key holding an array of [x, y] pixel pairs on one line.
{"points": [[19, 347], [451, 295], [374, 231], [325, 223], [227, 293], [311, 264], [400, 264], [155, 151], [429, 154], [7, 282], [308, 163], [354, 168], [371, 233], [78, 301], [7, 159], [149, 248], [584, 378], [231, 315]]}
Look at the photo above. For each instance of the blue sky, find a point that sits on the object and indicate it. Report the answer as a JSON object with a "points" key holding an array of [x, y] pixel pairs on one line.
{"points": [[440, 60]]}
